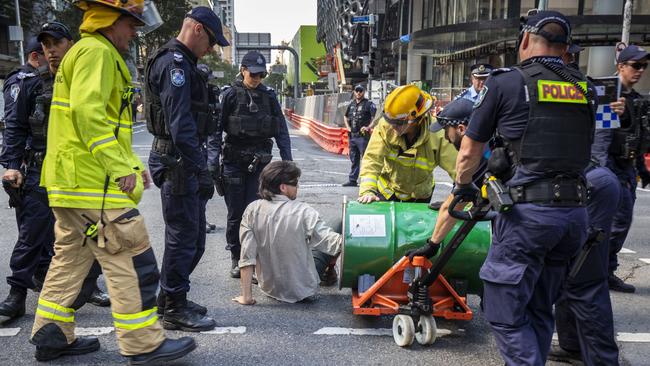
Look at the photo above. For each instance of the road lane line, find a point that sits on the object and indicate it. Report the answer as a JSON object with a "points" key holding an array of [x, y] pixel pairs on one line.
{"points": [[368, 331], [93, 331], [319, 185], [9, 332], [633, 337], [627, 251], [226, 330], [329, 172], [645, 260], [445, 184]]}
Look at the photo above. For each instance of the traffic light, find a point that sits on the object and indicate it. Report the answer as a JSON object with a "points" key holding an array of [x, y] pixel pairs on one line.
{"points": [[372, 62]]}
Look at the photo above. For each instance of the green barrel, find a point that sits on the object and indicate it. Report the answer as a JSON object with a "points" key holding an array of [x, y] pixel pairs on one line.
{"points": [[378, 234]]}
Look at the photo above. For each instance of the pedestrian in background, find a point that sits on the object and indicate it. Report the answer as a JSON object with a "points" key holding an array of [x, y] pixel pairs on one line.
{"points": [[357, 119]]}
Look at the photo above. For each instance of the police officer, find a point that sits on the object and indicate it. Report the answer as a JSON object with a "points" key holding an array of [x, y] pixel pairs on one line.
{"points": [[618, 149], [479, 73], [178, 116], [570, 58], [357, 120], [543, 113], [250, 117]]}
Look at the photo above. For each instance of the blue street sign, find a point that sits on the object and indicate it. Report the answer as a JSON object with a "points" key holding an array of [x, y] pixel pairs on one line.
{"points": [[361, 19]]}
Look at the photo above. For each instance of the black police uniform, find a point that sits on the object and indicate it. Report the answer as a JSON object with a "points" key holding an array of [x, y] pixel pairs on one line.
{"points": [[249, 118], [359, 115], [27, 95], [178, 116], [548, 131]]}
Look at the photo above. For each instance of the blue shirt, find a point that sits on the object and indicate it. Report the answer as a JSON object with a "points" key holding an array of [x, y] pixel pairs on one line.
{"points": [[469, 93]]}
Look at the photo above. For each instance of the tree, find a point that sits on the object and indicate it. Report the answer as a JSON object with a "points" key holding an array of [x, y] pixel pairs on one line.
{"points": [[217, 64], [173, 13]]}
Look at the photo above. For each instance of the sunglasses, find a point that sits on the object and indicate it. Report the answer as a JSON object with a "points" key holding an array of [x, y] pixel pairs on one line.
{"points": [[358, 91], [212, 39], [638, 65], [258, 74]]}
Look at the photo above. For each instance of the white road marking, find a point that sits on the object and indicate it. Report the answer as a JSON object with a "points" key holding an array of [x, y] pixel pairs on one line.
{"points": [[94, 331], [445, 184], [9, 332], [226, 330], [328, 172], [368, 331], [138, 146], [645, 260], [318, 185], [627, 251], [643, 189], [633, 337]]}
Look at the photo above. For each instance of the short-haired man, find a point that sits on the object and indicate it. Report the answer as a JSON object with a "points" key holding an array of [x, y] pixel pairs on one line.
{"points": [[357, 120], [285, 239]]}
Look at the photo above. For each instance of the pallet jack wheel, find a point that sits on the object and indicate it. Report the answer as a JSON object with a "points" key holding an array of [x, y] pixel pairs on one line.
{"points": [[403, 330], [425, 332]]}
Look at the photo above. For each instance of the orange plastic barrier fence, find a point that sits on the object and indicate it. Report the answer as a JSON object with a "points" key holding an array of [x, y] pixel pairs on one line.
{"points": [[332, 139]]}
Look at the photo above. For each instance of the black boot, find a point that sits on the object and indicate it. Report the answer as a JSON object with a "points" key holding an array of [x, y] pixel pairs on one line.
{"points": [[170, 349], [178, 316], [234, 269], [99, 298], [51, 343], [162, 301], [14, 305], [617, 284], [559, 354]]}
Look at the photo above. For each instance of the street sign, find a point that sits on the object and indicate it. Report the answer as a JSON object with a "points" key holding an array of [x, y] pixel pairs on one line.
{"points": [[363, 19]]}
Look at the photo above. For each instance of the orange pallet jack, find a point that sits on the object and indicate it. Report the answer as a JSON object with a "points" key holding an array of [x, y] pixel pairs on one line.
{"points": [[416, 292]]}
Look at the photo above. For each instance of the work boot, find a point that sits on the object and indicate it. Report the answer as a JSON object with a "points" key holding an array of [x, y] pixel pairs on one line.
{"points": [[349, 184], [329, 278], [178, 316], [617, 284], [169, 349], [51, 343], [234, 269], [210, 227], [99, 298], [162, 301], [559, 354], [14, 305]]}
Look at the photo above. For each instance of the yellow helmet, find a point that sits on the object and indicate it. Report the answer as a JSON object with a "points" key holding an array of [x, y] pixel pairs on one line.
{"points": [[405, 104], [144, 11]]}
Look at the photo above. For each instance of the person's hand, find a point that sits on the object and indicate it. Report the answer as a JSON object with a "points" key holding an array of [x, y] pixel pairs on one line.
{"points": [[427, 251], [146, 179], [365, 129], [127, 183], [368, 198], [14, 176], [242, 301], [468, 192], [618, 107]]}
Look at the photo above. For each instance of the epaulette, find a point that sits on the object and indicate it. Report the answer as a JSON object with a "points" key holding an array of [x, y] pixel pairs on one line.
{"points": [[500, 70], [24, 75], [178, 57]]}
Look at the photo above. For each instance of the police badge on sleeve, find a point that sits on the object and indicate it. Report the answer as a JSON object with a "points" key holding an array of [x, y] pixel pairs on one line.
{"points": [[480, 97], [177, 77], [14, 91]]}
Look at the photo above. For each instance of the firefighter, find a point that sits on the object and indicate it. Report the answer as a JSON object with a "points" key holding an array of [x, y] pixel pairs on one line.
{"points": [[94, 182], [402, 152]]}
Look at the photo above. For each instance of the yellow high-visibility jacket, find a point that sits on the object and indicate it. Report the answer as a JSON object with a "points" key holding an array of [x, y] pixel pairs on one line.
{"points": [[389, 167], [91, 98]]}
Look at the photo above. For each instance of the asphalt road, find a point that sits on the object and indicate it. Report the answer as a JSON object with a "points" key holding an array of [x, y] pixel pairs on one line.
{"points": [[274, 333]]}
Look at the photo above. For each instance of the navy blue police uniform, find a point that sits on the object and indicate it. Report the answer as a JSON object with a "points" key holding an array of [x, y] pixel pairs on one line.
{"points": [[359, 115], [618, 149], [26, 110], [546, 122], [250, 118]]}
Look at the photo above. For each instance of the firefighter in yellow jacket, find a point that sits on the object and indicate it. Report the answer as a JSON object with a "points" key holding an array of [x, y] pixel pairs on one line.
{"points": [[402, 153], [94, 182]]}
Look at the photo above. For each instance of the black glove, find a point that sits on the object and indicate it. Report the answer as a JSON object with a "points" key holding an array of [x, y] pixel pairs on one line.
{"points": [[469, 192], [645, 179], [206, 185], [428, 251]]}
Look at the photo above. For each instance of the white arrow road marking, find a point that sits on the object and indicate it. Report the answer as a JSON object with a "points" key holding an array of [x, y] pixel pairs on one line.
{"points": [[94, 331], [627, 251], [226, 330], [9, 332], [645, 260], [368, 331]]}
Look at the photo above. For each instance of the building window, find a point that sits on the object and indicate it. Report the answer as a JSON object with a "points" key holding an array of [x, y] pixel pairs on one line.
{"points": [[483, 9], [499, 9], [566, 7], [527, 5], [427, 13], [441, 12]]}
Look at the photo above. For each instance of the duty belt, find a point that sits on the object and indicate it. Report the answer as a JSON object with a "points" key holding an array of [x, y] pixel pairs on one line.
{"points": [[570, 193], [162, 146]]}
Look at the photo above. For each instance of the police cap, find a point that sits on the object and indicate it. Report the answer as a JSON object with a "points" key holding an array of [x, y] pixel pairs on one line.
{"points": [[481, 70], [254, 62], [33, 45], [536, 20], [211, 22], [455, 113], [55, 29], [359, 87], [632, 53]]}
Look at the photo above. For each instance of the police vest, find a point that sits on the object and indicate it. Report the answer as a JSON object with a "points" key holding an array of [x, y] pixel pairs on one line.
{"points": [[633, 137], [200, 108], [359, 114], [252, 117], [559, 132], [40, 115]]}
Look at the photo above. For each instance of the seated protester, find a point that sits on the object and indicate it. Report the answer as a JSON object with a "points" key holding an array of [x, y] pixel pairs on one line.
{"points": [[286, 240]]}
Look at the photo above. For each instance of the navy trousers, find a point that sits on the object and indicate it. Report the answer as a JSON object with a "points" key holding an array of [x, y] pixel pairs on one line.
{"points": [[523, 275], [583, 315], [358, 146], [184, 216], [622, 221], [240, 190], [33, 250]]}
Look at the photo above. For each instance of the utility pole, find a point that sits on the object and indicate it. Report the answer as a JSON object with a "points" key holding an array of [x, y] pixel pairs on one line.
{"points": [[371, 45], [21, 50], [543, 5], [627, 22], [399, 57]]}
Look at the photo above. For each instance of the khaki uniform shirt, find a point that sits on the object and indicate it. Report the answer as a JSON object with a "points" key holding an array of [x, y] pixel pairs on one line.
{"points": [[278, 236]]}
